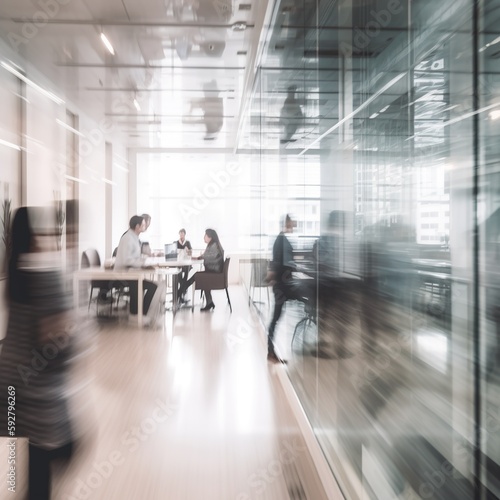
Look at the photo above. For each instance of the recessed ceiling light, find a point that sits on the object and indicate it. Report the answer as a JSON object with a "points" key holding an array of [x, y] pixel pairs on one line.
{"points": [[107, 43]]}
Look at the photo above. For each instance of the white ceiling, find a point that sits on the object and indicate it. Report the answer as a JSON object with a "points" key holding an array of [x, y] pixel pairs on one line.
{"points": [[184, 61]]}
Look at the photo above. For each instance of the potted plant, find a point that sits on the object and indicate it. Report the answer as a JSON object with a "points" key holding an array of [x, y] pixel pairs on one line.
{"points": [[60, 218]]}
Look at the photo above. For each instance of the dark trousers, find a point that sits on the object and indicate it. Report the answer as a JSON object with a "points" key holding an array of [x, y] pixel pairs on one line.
{"points": [[149, 289], [39, 482], [283, 291]]}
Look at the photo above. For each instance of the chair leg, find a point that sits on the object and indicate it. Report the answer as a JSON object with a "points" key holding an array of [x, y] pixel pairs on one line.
{"points": [[229, 300], [90, 297]]}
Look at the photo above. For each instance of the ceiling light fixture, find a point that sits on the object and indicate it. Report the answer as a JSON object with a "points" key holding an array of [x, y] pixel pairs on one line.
{"points": [[495, 115], [494, 42], [10, 145], [75, 179], [107, 43], [67, 127], [32, 84], [239, 26]]}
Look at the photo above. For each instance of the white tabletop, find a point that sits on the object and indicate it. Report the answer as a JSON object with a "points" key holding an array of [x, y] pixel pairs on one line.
{"points": [[161, 262]]}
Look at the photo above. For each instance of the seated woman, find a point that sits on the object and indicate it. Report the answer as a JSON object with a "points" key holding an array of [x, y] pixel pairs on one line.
{"points": [[213, 257]]}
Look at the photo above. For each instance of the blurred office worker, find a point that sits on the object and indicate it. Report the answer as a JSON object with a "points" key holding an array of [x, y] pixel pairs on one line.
{"points": [[38, 347], [128, 255]]}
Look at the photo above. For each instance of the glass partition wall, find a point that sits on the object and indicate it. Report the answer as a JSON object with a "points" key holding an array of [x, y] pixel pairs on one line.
{"points": [[375, 124]]}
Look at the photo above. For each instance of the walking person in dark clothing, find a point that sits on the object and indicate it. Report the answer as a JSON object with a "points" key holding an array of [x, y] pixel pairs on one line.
{"points": [[280, 277]]}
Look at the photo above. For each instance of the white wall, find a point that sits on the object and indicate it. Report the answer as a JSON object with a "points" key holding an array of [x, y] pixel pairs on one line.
{"points": [[45, 149], [43, 175], [92, 171], [120, 203]]}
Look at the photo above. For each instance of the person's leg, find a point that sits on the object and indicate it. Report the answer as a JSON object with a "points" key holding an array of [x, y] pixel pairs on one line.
{"points": [[38, 474], [279, 300], [183, 287], [159, 292], [149, 290], [208, 296], [133, 290], [183, 276]]}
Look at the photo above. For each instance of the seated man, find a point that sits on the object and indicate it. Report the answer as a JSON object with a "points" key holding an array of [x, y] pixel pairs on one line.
{"points": [[128, 255]]}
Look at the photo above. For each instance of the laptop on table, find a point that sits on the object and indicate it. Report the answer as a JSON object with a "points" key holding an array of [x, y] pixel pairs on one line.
{"points": [[171, 251]]}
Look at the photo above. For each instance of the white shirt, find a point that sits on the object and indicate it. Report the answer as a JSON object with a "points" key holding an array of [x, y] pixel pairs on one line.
{"points": [[129, 251]]}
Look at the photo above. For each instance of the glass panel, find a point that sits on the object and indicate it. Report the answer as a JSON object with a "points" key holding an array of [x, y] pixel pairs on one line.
{"points": [[361, 125], [489, 253]]}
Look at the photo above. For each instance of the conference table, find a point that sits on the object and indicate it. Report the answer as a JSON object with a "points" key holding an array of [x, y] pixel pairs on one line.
{"points": [[153, 265]]}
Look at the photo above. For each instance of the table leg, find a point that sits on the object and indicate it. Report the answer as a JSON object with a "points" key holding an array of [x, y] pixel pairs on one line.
{"points": [[140, 299], [174, 293]]}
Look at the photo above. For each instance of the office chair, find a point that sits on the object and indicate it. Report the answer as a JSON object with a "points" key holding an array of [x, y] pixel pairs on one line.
{"points": [[214, 281], [90, 258], [258, 278]]}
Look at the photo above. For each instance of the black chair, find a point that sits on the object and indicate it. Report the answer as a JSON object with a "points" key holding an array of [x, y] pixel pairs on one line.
{"points": [[90, 258], [121, 289], [214, 281]]}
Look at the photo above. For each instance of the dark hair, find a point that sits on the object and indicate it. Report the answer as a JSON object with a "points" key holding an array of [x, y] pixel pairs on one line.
{"points": [[212, 234], [182, 231], [21, 237], [28, 221], [136, 219], [146, 217], [336, 219]]}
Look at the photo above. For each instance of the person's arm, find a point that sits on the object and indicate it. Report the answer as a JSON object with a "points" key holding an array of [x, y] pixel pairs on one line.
{"points": [[277, 260]]}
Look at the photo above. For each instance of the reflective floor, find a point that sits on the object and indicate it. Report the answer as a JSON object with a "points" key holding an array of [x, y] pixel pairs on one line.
{"points": [[190, 410]]}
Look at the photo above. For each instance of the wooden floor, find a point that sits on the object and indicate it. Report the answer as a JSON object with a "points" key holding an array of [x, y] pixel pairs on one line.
{"points": [[190, 410]]}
